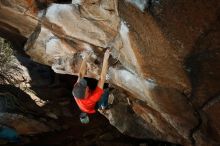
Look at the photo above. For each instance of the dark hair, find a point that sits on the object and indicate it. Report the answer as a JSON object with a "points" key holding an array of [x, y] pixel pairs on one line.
{"points": [[79, 89]]}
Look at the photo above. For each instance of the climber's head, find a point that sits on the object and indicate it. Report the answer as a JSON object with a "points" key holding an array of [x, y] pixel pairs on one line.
{"points": [[80, 89]]}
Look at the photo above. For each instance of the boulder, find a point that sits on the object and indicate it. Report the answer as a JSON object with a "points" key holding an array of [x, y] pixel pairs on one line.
{"points": [[165, 59]]}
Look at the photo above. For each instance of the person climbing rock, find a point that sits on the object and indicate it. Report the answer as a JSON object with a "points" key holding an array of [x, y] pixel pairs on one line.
{"points": [[89, 100]]}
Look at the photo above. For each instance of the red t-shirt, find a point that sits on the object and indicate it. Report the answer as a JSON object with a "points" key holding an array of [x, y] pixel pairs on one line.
{"points": [[88, 105]]}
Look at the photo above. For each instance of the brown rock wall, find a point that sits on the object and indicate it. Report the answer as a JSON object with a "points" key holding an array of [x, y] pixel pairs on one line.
{"points": [[166, 59], [157, 58]]}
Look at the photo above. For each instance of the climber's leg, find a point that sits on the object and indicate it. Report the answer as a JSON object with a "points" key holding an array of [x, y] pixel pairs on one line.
{"points": [[103, 102]]}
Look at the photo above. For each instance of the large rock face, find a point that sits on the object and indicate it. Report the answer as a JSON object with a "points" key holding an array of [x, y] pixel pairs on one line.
{"points": [[165, 62]]}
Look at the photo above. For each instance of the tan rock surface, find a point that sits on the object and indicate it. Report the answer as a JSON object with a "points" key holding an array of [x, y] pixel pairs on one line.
{"points": [[166, 60]]}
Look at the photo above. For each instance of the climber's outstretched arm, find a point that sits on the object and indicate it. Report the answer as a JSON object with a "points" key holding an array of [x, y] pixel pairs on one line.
{"points": [[83, 67], [104, 69]]}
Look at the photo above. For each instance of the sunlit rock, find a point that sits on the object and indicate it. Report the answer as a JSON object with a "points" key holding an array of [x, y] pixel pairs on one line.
{"points": [[164, 60]]}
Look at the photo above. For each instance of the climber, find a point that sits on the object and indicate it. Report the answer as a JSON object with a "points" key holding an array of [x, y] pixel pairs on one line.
{"points": [[89, 100]]}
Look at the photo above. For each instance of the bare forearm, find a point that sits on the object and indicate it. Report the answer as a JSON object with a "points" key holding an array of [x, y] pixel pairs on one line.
{"points": [[104, 71], [103, 75], [83, 67]]}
